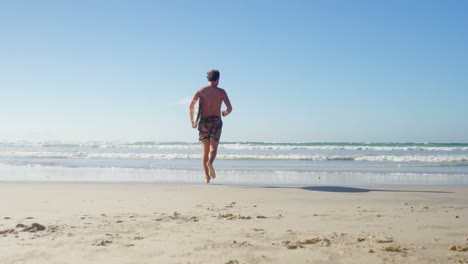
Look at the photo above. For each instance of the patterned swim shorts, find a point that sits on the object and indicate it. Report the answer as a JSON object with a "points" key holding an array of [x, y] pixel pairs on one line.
{"points": [[210, 127]]}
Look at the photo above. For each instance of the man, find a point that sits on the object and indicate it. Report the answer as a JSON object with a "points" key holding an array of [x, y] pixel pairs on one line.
{"points": [[211, 98]]}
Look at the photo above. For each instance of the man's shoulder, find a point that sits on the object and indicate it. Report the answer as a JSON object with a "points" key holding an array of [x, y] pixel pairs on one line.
{"points": [[202, 88]]}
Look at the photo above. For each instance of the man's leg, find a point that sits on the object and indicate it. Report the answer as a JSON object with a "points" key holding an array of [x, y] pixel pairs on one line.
{"points": [[213, 150], [206, 152]]}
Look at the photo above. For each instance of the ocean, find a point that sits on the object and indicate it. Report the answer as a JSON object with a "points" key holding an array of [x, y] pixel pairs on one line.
{"points": [[237, 163]]}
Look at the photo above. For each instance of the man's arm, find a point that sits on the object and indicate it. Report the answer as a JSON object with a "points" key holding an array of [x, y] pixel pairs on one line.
{"points": [[227, 103], [192, 108]]}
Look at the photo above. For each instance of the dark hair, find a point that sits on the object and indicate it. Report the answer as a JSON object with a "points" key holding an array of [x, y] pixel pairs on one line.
{"points": [[212, 75]]}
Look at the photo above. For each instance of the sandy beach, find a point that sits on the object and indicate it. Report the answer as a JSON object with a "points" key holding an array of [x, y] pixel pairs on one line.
{"points": [[189, 223]]}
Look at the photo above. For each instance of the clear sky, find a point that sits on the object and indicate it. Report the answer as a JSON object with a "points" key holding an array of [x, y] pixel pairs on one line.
{"points": [[295, 71]]}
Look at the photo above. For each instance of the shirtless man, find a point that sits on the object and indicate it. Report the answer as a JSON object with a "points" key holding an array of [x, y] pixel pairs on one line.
{"points": [[210, 125]]}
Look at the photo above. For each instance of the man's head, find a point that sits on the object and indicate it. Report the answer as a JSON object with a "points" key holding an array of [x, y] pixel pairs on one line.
{"points": [[213, 76]]}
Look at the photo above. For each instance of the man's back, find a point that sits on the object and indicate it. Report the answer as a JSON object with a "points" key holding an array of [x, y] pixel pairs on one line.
{"points": [[211, 100]]}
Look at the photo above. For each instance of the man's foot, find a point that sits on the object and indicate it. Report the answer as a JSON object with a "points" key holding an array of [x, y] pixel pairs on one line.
{"points": [[212, 170], [207, 179]]}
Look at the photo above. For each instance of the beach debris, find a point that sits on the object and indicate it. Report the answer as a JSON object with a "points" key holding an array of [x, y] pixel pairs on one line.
{"points": [[230, 216], [381, 240], [231, 205], [175, 215], [20, 226], [138, 238], [115, 236], [313, 241], [261, 217], [35, 227], [102, 242], [457, 216], [193, 219], [232, 262], [6, 218], [300, 244], [385, 240], [360, 239], [241, 244], [227, 216], [8, 231], [291, 246], [53, 228], [371, 250], [394, 249], [459, 248], [29, 217]]}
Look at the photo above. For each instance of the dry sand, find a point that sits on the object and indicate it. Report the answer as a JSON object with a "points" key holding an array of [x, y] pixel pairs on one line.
{"points": [[156, 223]]}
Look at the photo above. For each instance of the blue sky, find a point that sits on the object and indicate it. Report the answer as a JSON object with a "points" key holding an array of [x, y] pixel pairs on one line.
{"points": [[295, 71]]}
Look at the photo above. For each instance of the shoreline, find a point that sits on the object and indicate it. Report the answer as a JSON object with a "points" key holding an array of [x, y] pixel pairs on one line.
{"points": [[57, 174], [198, 223]]}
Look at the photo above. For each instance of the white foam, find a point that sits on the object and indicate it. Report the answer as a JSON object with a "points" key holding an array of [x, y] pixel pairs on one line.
{"points": [[235, 146], [170, 156]]}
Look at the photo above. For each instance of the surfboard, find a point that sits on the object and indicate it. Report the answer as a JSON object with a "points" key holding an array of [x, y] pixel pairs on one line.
{"points": [[197, 112]]}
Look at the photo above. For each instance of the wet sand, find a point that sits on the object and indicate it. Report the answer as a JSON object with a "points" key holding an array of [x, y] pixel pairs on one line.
{"points": [[182, 223]]}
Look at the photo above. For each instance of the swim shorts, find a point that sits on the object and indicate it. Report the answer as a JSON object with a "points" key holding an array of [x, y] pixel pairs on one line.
{"points": [[210, 128]]}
